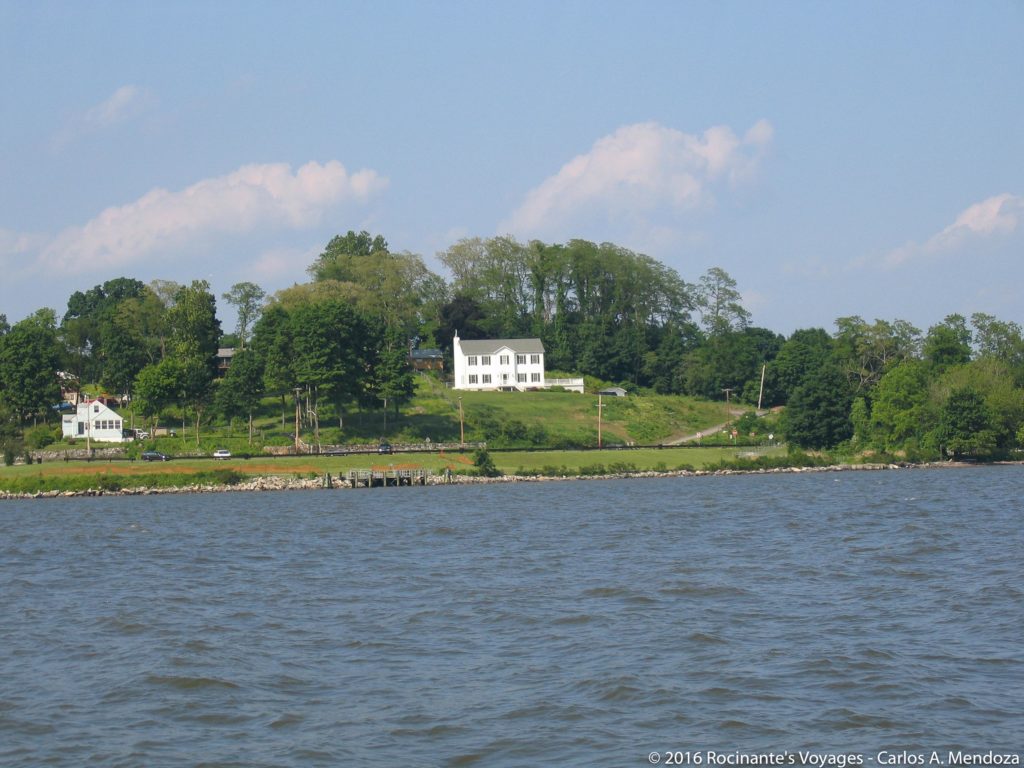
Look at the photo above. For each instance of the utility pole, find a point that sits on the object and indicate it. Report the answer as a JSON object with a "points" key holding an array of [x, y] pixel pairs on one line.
{"points": [[462, 430], [600, 407], [761, 393], [727, 390]]}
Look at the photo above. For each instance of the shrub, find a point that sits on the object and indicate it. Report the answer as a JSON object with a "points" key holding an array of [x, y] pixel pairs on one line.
{"points": [[485, 464]]}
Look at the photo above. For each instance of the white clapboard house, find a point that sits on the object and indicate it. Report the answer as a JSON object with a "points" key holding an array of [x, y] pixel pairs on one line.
{"points": [[508, 364], [95, 421]]}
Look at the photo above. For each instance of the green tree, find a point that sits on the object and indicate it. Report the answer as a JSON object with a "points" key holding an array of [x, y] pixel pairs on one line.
{"points": [[156, 387], [900, 405], [719, 303], [393, 379], [29, 356], [965, 427], [818, 413], [247, 299], [948, 343], [240, 389]]}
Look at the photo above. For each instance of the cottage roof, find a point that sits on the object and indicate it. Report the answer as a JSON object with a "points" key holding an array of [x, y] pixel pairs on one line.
{"points": [[491, 346], [425, 354]]}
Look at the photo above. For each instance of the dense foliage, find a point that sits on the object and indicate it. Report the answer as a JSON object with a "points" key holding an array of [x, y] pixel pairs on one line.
{"points": [[337, 345]]}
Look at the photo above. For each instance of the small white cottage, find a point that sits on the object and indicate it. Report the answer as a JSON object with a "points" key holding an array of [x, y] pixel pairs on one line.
{"points": [[94, 420]]}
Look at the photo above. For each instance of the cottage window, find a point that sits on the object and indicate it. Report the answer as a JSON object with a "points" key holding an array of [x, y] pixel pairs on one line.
{"points": [[473, 378], [535, 377], [520, 359], [471, 360], [95, 409], [96, 424], [521, 377], [504, 360], [485, 360], [487, 378], [534, 359]]}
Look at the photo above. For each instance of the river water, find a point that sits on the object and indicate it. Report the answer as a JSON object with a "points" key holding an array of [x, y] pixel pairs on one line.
{"points": [[587, 623]]}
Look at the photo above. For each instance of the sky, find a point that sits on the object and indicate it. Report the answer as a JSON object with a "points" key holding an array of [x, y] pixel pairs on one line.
{"points": [[845, 158]]}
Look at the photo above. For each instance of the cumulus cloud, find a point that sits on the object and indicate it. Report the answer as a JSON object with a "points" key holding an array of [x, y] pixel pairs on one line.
{"points": [[127, 102], [640, 169], [254, 197], [998, 215]]}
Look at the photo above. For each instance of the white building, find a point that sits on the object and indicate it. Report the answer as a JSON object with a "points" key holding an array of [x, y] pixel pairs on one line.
{"points": [[94, 420], [511, 364]]}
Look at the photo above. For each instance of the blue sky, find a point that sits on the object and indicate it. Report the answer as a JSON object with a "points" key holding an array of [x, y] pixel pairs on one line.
{"points": [[835, 158]]}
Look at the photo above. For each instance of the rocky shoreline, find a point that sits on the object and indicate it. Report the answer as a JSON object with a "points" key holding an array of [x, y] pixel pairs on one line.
{"points": [[275, 483]]}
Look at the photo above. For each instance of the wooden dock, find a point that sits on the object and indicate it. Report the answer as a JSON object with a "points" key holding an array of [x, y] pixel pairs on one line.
{"points": [[383, 478]]}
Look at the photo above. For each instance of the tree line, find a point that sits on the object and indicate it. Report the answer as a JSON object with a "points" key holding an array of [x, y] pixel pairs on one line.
{"points": [[339, 342]]}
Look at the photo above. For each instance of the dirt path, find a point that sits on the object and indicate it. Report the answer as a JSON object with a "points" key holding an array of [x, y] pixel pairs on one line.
{"points": [[710, 430]]}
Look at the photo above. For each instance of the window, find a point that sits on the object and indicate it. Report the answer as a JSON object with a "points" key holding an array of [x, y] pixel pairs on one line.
{"points": [[472, 378], [117, 425], [96, 424], [95, 409], [520, 359], [487, 378], [471, 360], [534, 359], [521, 377], [503, 360], [485, 360], [535, 377]]}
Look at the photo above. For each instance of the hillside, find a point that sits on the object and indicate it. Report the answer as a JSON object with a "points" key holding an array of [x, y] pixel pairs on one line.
{"points": [[532, 419]]}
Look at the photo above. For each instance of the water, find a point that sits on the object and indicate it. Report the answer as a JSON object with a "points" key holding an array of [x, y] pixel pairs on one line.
{"points": [[516, 625]]}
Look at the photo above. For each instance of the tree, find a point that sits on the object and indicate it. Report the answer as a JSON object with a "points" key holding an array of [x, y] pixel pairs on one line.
{"points": [[28, 365], [818, 413], [240, 389], [719, 303], [965, 428], [156, 387], [247, 299], [195, 329], [948, 343], [900, 405], [393, 379], [272, 343]]}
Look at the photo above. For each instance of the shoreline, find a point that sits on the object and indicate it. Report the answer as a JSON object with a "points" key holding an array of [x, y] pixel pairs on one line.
{"points": [[278, 483]]}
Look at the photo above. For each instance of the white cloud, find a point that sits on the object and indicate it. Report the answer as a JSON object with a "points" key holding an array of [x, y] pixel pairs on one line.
{"points": [[998, 215], [638, 170], [254, 197], [127, 102]]}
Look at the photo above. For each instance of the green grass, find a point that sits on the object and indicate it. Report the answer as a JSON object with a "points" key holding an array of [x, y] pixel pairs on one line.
{"points": [[113, 475]]}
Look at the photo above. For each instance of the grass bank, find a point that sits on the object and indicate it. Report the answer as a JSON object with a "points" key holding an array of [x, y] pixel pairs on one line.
{"points": [[116, 475]]}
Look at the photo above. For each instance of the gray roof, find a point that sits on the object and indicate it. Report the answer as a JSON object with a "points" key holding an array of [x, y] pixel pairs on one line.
{"points": [[425, 354], [491, 346]]}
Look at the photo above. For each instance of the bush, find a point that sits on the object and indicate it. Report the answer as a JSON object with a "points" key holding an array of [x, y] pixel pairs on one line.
{"points": [[485, 464], [8, 456], [41, 436]]}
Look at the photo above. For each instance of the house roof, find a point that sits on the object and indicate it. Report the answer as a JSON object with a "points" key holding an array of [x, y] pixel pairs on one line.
{"points": [[226, 352], [425, 354], [491, 346]]}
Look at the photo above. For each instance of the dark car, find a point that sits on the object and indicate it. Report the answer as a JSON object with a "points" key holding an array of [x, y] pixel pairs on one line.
{"points": [[154, 456], [384, 448]]}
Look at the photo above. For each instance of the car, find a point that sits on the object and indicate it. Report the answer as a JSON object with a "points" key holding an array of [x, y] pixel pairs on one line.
{"points": [[222, 453], [385, 448], [154, 456]]}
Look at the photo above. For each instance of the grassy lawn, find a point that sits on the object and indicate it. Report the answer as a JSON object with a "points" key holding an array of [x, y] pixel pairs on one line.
{"points": [[183, 470]]}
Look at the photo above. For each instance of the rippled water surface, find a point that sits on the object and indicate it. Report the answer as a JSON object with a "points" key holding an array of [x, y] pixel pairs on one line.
{"points": [[539, 624]]}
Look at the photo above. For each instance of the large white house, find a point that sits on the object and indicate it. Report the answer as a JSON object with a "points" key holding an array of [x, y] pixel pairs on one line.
{"points": [[512, 364], [94, 420], [498, 364]]}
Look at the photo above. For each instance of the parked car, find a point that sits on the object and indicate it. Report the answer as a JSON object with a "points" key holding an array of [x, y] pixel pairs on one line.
{"points": [[385, 448], [222, 453], [154, 456]]}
